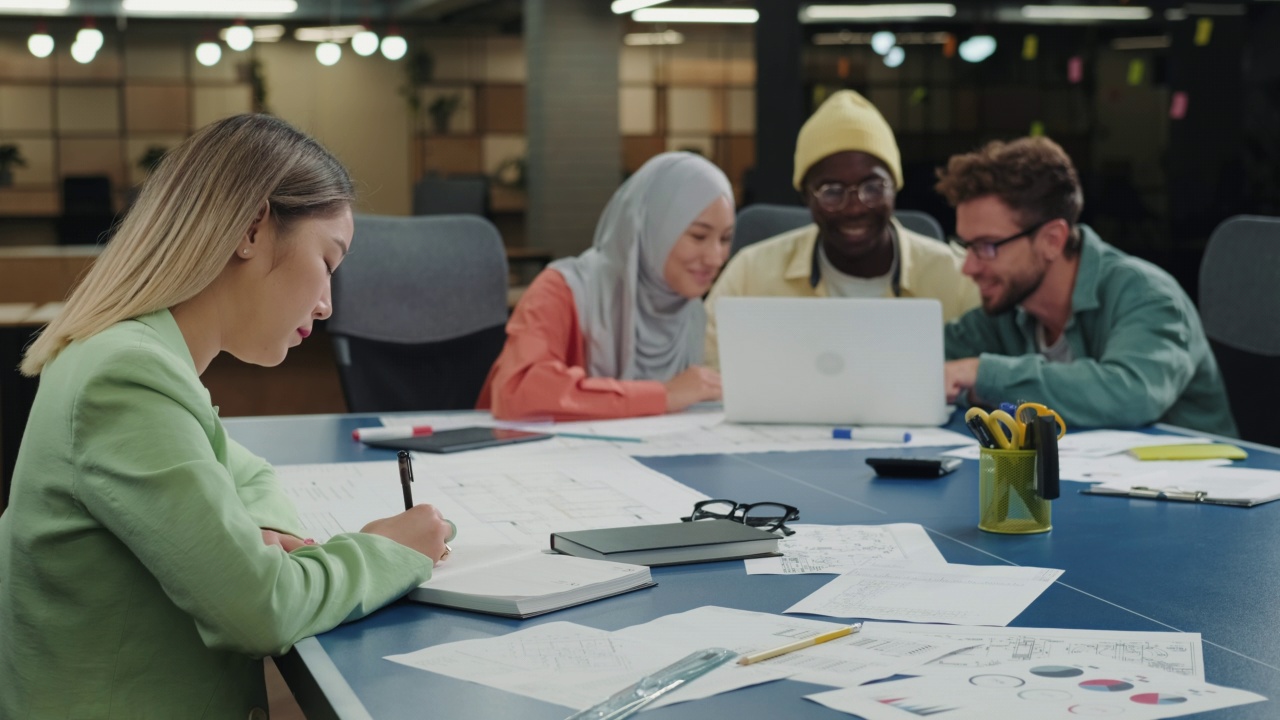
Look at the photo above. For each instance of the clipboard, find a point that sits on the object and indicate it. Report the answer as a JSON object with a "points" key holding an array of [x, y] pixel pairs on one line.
{"points": [[1195, 496], [1238, 487]]}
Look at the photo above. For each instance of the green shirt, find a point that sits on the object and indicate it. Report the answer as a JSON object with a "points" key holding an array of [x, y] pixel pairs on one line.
{"points": [[1141, 355], [134, 581]]}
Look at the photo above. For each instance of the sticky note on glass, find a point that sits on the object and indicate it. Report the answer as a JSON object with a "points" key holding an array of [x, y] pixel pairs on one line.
{"points": [[1178, 106], [1204, 31], [1136, 69], [1037, 128], [1075, 69], [1214, 451], [1030, 47]]}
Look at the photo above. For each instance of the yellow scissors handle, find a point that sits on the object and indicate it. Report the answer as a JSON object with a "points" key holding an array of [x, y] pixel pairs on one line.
{"points": [[1043, 410], [1010, 434]]}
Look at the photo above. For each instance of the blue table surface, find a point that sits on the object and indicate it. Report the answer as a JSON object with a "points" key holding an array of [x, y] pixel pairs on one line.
{"points": [[1130, 565]]}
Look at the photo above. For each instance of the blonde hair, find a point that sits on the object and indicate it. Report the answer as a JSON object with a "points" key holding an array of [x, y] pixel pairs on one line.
{"points": [[190, 216]]}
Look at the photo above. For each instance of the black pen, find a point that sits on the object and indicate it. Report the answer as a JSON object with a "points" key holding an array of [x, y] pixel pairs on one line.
{"points": [[406, 477]]}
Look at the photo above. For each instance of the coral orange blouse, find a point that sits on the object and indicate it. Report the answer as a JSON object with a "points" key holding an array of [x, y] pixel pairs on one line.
{"points": [[541, 373]]}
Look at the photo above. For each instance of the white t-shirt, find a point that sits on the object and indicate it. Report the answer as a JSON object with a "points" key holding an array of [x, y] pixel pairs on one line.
{"points": [[841, 285], [1059, 352]]}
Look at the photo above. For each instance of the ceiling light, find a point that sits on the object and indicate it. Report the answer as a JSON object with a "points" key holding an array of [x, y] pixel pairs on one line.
{"points": [[208, 53], [394, 47], [695, 15], [900, 11], [327, 33], [34, 5], [894, 57], [670, 37], [1085, 12], [239, 37], [210, 7], [328, 53], [261, 33], [883, 41], [40, 43], [977, 48], [622, 7], [82, 53], [91, 37], [365, 42]]}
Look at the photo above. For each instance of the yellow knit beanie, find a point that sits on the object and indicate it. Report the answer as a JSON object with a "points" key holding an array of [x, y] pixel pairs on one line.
{"points": [[846, 121]]}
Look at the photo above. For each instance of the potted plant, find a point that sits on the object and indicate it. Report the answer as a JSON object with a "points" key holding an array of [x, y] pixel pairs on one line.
{"points": [[10, 157], [151, 158], [441, 110]]}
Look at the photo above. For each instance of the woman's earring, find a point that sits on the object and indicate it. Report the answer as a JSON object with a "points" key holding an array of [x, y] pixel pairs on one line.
{"points": [[245, 252]]}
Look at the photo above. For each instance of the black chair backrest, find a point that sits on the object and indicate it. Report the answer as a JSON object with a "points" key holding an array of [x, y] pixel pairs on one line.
{"points": [[1240, 309], [419, 312], [762, 220]]}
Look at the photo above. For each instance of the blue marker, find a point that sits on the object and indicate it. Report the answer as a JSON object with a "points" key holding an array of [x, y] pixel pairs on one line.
{"points": [[871, 435]]}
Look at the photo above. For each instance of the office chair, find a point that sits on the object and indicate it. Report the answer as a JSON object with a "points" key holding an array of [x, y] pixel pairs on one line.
{"points": [[459, 195], [761, 221], [1240, 309], [419, 312]]}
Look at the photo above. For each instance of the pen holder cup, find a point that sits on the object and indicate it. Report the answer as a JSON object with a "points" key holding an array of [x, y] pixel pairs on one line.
{"points": [[1007, 498]]}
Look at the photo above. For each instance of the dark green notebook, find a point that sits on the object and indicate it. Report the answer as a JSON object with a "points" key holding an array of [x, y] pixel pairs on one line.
{"points": [[669, 544]]}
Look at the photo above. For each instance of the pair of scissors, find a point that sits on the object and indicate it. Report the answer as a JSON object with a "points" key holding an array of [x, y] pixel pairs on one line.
{"points": [[1002, 430], [1027, 412]]}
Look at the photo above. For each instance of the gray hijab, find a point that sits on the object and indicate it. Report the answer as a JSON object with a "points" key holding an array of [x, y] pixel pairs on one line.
{"points": [[635, 326]]}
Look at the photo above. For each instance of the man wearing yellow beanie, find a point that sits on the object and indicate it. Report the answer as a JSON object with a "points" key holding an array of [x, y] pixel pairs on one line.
{"points": [[848, 171]]}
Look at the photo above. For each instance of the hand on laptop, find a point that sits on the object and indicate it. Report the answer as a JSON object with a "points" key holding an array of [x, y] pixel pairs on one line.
{"points": [[695, 385], [961, 376]]}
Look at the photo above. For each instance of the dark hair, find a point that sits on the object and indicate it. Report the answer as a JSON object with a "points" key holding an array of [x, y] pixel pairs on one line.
{"points": [[1032, 175]]}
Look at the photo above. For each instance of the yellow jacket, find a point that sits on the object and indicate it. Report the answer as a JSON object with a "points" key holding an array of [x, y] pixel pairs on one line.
{"points": [[784, 266]]}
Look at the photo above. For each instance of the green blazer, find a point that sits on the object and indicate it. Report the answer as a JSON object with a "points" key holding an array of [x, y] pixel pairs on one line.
{"points": [[1141, 355], [134, 582]]}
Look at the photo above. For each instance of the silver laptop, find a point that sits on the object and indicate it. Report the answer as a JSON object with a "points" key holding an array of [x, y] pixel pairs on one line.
{"points": [[832, 360]]}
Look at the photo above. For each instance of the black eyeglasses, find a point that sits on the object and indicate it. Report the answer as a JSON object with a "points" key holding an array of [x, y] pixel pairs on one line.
{"points": [[873, 192], [769, 516], [986, 250]]}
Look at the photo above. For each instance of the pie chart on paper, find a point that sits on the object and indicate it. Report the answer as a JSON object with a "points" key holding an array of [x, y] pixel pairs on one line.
{"points": [[1157, 699], [1106, 685]]}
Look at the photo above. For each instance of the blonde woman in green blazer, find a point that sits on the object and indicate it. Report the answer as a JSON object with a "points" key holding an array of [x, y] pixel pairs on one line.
{"points": [[147, 561]]}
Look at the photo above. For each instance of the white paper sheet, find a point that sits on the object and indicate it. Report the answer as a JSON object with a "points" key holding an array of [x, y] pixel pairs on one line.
{"points": [[834, 549], [519, 502], [843, 662], [1177, 653], [1057, 688], [690, 433], [951, 594], [1100, 443], [1102, 469], [574, 665]]}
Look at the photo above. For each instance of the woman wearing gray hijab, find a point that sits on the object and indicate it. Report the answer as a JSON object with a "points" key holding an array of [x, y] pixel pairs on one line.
{"points": [[618, 330]]}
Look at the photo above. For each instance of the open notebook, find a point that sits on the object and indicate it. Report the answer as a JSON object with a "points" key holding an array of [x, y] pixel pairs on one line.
{"points": [[521, 582]]}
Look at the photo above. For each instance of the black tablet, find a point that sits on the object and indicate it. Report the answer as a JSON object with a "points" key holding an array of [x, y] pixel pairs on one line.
{"points": [[460, 439]]}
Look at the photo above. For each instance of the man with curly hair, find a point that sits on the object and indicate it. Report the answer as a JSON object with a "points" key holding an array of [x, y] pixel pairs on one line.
{"points": [[1104, 338]]}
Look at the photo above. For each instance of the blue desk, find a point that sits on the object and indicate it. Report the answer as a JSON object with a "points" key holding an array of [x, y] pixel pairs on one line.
{"points": [[1130, 565]]}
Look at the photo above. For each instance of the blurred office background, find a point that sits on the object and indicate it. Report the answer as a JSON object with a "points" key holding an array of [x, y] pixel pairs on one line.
{"points": [[530, 112]]}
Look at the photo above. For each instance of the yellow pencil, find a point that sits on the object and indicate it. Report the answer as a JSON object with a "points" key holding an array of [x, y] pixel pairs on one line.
{"points": [[799, 644]]}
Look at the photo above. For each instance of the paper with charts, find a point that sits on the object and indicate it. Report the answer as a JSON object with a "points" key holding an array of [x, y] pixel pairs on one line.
{"points": [[1056, 688], [844, 662], [693, 433], [1172, 652], [951, 594], [576, 666], [492, 503], [834, 549]]}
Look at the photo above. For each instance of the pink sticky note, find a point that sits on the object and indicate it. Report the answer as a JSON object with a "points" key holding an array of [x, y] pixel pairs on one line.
{"points": [[1075, 69], [1178, 106]]}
